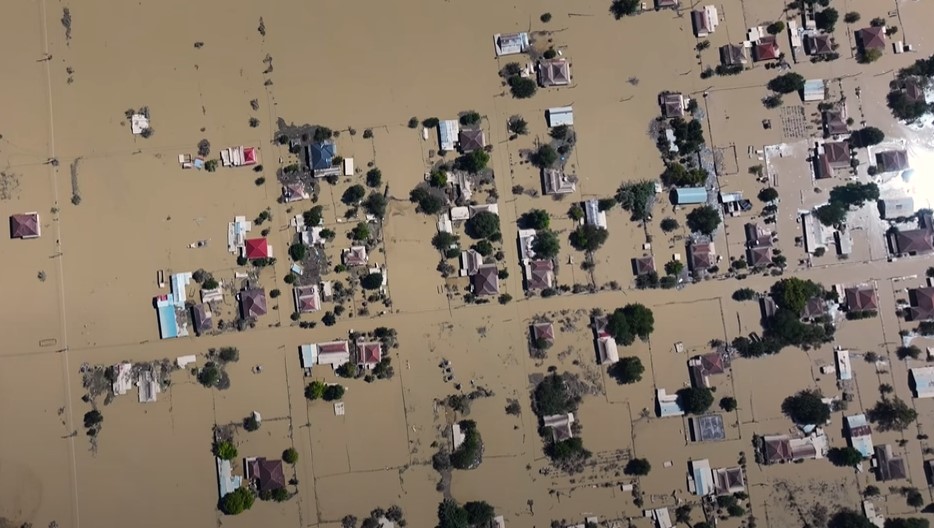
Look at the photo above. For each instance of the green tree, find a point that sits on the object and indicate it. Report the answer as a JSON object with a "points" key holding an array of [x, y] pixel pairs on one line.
{"points": [[678, 175], [428, 202], [744, 294], [775, 27], [826, 19], [298, 251], [312, 216], [866, 137], [438, 179], [627, 370], [353, 194], [769, 194], [210, 283], [333, 392], [669, 224], [482, 225], [452, 515], [443, 240], [535, 219], [361, 231], [794, 293], [852, 17], [855, 194], [475, 161], [904, 108], [347, 370], [372, 281], [546, 244], [911, 351], [787, 83], [522, 87], [544, 157], [251, 423], [225, 450], [892, 415], [847, 518], [695, 400], [728, 404], [772, 101], [470, 118], [315, 390], [914, 498], [674, 267], [806, 408], [637, 198], [638, 467], [483, 247], [290, 456], [237, 501], [831, 214], [374, 177], [632, 320], [517, 125], [622, 8], [551, 396], [704, 219], [92, 418], [844, 456], [479, 513], [229, 354], [376, 204], [588, 237], [209, 375], [909, 522]]}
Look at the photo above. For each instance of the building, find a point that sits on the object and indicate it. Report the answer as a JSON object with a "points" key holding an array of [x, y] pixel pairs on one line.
{"points": [[921, 301], [334, 353], [830, 156], [844, 367], [666, 4], [510, 43], [554, 72], [702, 367], [238, 156], [202, 318], [673, 104], [486, 281], [759, 257], [252, 303], [892, 208], [727, 481], [766, 49], [320, 156], [707, 428], [889, 466], [820, 44], [355, 256], [593, 215], [661, 516], [122, 378], [705, 21], [539, 274], [778, 449], [861, 298], [294, 192], [149, 387], [607, 351], [732, 55], [560, 425], [701, 256], [448, 130], [757, 236], [859, 434], [257, 248], [835, 123], [892, 160], [368, 354], [471, 261], [543, 333], [25, 226], [554, 181], [871, 38], [814, 90], [560, 116], [265, 474], [307, 298], [170, 325], [690, 195], [700, 477], [815, 308], [914, 91], [876, 518], [921, 381], [643, 265], [913, 241], [236, 234], [471, 140], [668, 404], [226, 482]]}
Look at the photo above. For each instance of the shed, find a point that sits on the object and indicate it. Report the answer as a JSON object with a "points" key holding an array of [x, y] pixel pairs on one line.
{"points": [[560, 115], [308, 355], [448, 130], [844, 368], [814, 90], [895, 207], [859, 434], [690, 195], [510, 43]]}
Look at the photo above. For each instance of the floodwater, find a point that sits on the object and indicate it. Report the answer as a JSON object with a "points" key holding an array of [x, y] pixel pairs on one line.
{"points": [[82, 291]]}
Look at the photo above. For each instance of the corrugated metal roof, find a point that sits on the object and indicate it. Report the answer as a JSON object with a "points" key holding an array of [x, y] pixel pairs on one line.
{"points": [[691, 195]]}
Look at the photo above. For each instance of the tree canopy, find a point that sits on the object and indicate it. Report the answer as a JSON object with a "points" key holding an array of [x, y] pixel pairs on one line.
{"points": [[855, 194], [452, 515], [545, 156], [546, 244], [892, 415], [806, 408], [689, 135], [637, 466], [794, 293], [768, 194], [522, 87], [474, 161], [831, 214], [637, 198], [847, 518], [787, 83], [627, 370], [535, 219], [678, 175], [353, 194], [479, 513], [372, 281], [704, 219], [695, 400], [844, 456], [375, 204], [429, 202], [333, 392], [826, 19], [482, 225], [904, 108], [632, 320], [237, 501], [552, 396], [588, 237], [907, 522], [622, 8], [866, 137]]}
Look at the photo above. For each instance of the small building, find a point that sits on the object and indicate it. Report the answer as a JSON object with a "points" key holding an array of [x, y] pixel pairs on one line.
{"points": [[668, 404], [871, 38], [266, 474], [593, 215], [876, 518], [913, 241], [560, 116], [471, 261], [483, 208], [921, 381], [820, 44], [149, 387], [666, 4], [707, 428], [859, 434], [540, 274], [294, 192], [355, 256], [701, 256], [25, 226], [757, 236], [486, 281], [861, 298], [759, 257], [202, 318], [815, 308], [661, 516], [226, 482], [783, 448], [368, 354], [643, 265], [460, 213], [510, 43], [334, 353], [835, 123], [319, 157], [690, 195], [308, 357], [543, 333], [169, 324], [673, 104], [766, 50], [471, 140], [814, 90], [554, 72], [139, 123], [727, 481], [236, 234], [252, 303], [892, 160], [700, 477], [122, 378], [921, 304], [555, 181], [560, 425], [448, 131], [889, 466], [702, 367], [844, 367], [307, 298], [607, 350], [705, 21], [257, 248], [732, 55]]}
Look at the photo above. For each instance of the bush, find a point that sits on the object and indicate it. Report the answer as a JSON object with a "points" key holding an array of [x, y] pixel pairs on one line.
{"points": [[92, 418], [413, 122], [210, 283], [438, 179], [844, 456], [312, 217], [229, 354], [695, 400], [535, 219], [775, 27], [250, 423], [704, 219], [237, 501], [522, 87], [353, 194], [517, 125], [483, 247], [588, 237], [298, 251], [482, 225], [544, 157], [904, 352], [225, 450], [806, 408], [627, 370], [374, 177], [505, 298], [638, 467], [470, 118], [431, 122], [669, 224], [744, 294], [333, 392], [769, 194], [728, 404], [315, 390], [290, 456], [546, 244], [772, 101]]}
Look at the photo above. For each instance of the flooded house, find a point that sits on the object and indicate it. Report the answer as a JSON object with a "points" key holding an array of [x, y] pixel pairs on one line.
{"points": [[834, 122], [355, 256], [25, 226], [319, 157], [732, 55], [859, 434], [871, 38], [921, 304], [253, 303], [368, 354], [510, 43], [202, 318], [889, 466], [264, 474], [307, 298], [539, 274], [892, 160], [543, 334], [554, 72], [673, 104], [560, 425], [486, 281], [921, 381], [701, 256], [861, 298], [643, 265], [555, 181], [257, 248]]}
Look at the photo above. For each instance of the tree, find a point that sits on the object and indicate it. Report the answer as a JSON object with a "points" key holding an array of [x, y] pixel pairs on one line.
{"points": [[92, 418], [674, 267], [772, 101], [551, 396], [522, 87], [627, 370], [452, 515], [375, 204], [695, 400], [482, 225], [438, 179], [911, 351], [669, 224], [677, 175], [632, 320], [544, 157], [622, 8], [479, 513], [237, 501], [517, 125], [353, 194], [728, 404], [588, 237], [831, 214], [290, 456], [546, 244], [852, 17], [638, 467], [844, 456], [347, 370], [444, 240], [704, 219], [892, 415], [483, 247], [637, 198], [374, 177], [806, 408], [904, 108], [869, 56], [847, 518], [209, 375], [333, 392], [787, 83], [744, 294], [372, 281], [474, 161], [315, 390], [535, 219], [866, 137], [909, 522], [298, 251], [794, 293], [225, 450], [769, 194], [312, 217], [775, 27], [914, 498], [854, 194], [251, 423], [361, 231], [826, 19]]}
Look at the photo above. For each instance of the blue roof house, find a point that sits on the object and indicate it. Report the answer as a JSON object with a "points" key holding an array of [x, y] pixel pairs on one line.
{"points": [[320, 158]]}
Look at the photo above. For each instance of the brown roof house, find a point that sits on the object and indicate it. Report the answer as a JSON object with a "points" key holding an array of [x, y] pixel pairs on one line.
{"points": [[554, 72], [368, 354], [702, 367], [732, 55], [757, 235], [814, 308], [355, 256], [777, 449], [307, 298], [834, 155], [471, 140], [913, 241], [861, 298], [540, 274], [202, 318], [701, 256], [818, 44], [914, 91], [835, 123], [294, 192], [486, 280], [759, 257], [643, 265], [253, 303], [265, 474], [673, 104], [543, 332], [889, 466], [922, 304], [892, 160], [871, 38], [766, 49], [25, 225]]}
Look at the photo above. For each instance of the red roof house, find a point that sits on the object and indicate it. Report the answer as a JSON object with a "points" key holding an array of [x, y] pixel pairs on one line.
{"points": [[368, 355], [307, 299], [861, 298], [25, 225], [257, 248], [543, 332], [764, 51], [266, 475]]}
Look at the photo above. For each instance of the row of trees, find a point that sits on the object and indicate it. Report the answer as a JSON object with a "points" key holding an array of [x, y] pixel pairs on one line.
{"points": [[842, 199]]}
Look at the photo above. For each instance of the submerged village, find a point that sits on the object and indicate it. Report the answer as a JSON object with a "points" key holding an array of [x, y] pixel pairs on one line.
{"points": [[690, 286]]}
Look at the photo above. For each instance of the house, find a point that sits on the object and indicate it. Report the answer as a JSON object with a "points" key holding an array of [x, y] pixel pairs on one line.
{"points": [[543, 333], [892, 208], [265, 474], [643, 265], [471, 140], [765, 50], [334, 353], [202, 318], [486, 280], [560, 425], [593, 215], [252, 303], [871, 38], [149, 386], [25, 225], [727, 481], [554, 72], [169, 324], [607, 351], [861, 298], [510, 43], [666, 4], [888, 465], [470, 262], [368, 354], [820, 44], [460, 213], [668, 404], [814, 90], [673, 104], [815, 307], [777, 449], [236, 234], [701, 256], [837, 154], [913, 241], [705, 21], [355, 256], [226, 482], [319, 157], [757, 236], [307, 298], [661, 516], [759, 257], [914, 91], [540, 274], [257, 248], [843, 364], [702, 367], [892, 160], [690, 195], [732, 55], [921, 381], [448, 130], [560, 116], [554, 181], [835, 123], [294, 192], [237, 156], [859, 435], [707, 428], [921, 302], [700, 477]]}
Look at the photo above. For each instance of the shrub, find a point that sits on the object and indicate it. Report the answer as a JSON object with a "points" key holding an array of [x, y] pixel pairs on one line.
{"points": [[229, 354], [92, 418], [290, 456], [372, 281], [627, 370], [669, 224], [621, 8], [225, 450], [769, 194], [210, 283], [517, 125], [505, 298], [428, 202], [806, 408], [250, 423], [431, 122], [638, 466], [470, 118], [546, 17], [775, 27], [852, 17], [413, 122]]}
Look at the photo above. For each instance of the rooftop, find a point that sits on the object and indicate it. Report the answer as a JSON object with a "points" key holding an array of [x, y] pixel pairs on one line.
{"points": [[472, 139], [872, 38], [554, 72], [25, 225], [643, 265], [732, 54], [914, 241], [257, 248], [701, 256], [540, 274], [818, 44], [835, 123], [307, 298], [708, 428], [860, 298], [253, 303], [355, 256], [892, 160], [486, 280], [266, 474], [544, 332], [765, 51]]}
